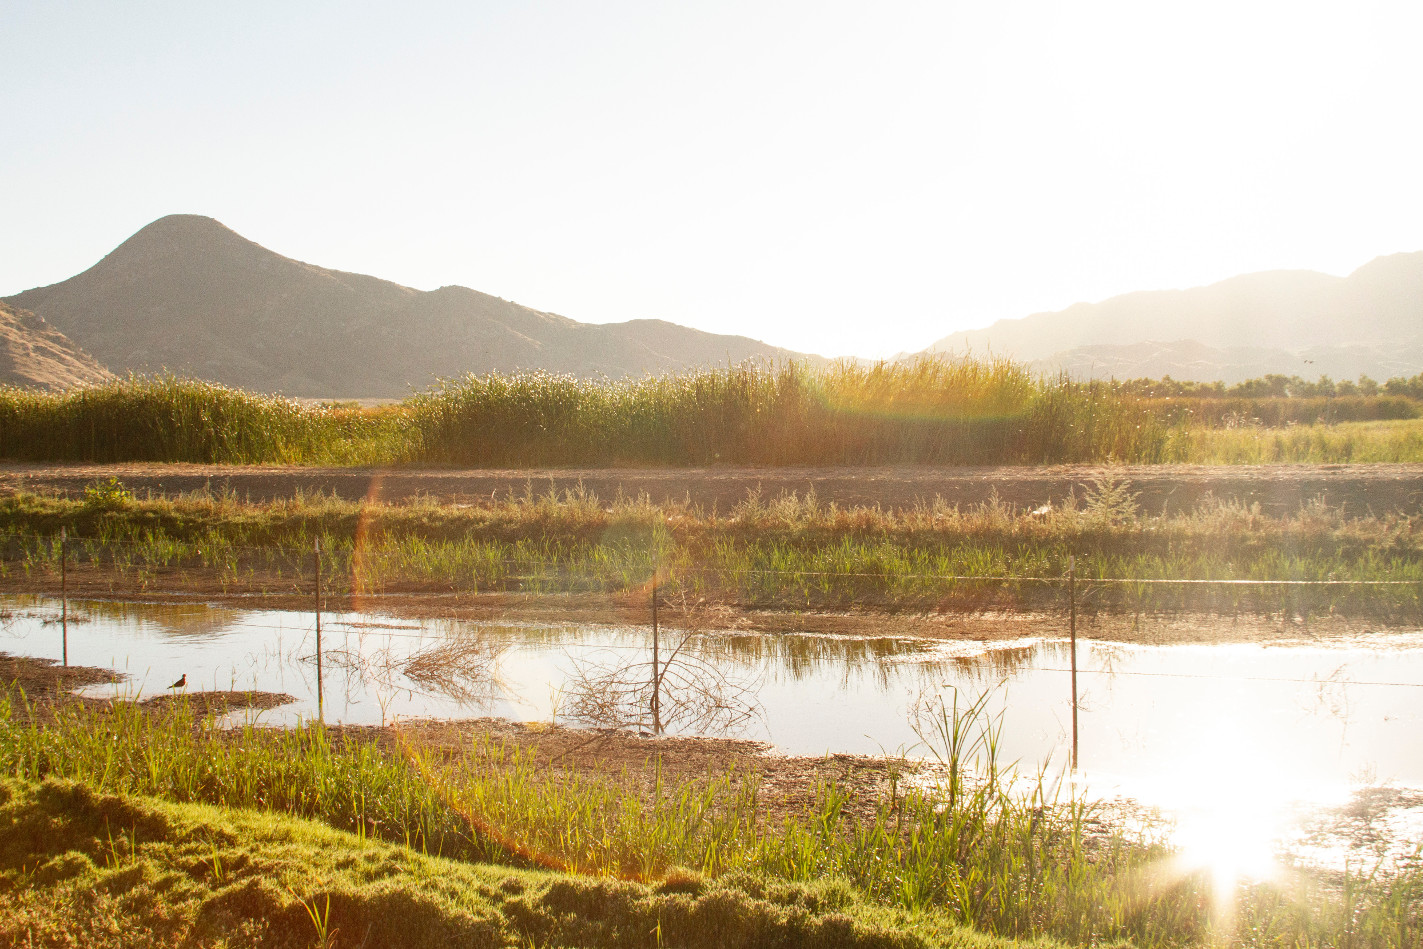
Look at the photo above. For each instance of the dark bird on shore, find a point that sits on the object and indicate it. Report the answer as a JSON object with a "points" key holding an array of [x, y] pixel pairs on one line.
{"points": [[181, 683]]}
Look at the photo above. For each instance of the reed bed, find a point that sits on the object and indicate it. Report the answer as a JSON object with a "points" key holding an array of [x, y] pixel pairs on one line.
{"points": [[930, 411], [938, 410], [166, 419], [1004, 853]]}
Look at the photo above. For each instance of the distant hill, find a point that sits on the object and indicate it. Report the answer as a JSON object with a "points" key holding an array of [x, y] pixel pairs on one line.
{"points": [[36, 355], [1294, 322], [1190, 360], [188, 295]]}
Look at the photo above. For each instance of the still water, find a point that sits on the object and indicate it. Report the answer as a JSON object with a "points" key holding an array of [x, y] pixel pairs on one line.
{"points": [[1231, 732]]}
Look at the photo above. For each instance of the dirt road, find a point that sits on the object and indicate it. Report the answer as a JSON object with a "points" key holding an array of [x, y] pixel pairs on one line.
{"points": [[1276, 488]]}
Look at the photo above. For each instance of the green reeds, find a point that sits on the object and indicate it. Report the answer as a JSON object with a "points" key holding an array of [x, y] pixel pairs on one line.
{"points": [[182, 420], [929, 411]]}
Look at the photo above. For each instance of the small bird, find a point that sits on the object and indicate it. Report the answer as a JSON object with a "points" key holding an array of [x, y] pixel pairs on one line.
{"points": [[182, 682]]}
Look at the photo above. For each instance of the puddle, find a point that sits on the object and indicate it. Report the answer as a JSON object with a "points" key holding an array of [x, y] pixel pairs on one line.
{"points": [[1231, 739]]}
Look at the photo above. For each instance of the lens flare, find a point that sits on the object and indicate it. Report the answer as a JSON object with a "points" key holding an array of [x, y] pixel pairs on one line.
{"points": [[360, 552]]}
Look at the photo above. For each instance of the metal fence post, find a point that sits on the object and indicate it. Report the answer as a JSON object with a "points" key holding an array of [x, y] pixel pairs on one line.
{"points": [[320, 709], [64, 592], [656, 658], [1072, 628]]}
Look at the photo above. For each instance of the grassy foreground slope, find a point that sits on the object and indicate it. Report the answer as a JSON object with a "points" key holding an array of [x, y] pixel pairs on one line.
{"points": [[938, 411], [224, 860], [82, 867]]}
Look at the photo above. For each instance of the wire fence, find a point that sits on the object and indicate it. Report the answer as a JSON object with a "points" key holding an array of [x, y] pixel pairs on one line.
{"points": [[620, 577], [299, 564], [643, 581]]}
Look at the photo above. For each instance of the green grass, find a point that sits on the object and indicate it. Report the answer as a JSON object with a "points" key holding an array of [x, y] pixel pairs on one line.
{"points": [[1006, 862], [78, 866], [787, 552], [1345, 443]]}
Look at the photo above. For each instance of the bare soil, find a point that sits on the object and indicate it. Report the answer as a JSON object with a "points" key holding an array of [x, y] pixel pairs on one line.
{"points": [[1278, 489]]}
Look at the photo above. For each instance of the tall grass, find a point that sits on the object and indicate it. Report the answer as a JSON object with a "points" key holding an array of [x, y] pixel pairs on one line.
{"points": [[939, 410], [1279, 411], [1351, 442], [182, 420], [936, 410]]}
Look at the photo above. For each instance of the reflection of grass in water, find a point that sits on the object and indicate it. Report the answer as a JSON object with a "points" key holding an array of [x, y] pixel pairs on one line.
{"points": [[175, 619], [1020, 865], [998, 663], [798, 656]]}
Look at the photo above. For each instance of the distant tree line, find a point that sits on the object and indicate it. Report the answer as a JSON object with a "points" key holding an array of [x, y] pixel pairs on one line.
{"points": [[1273, 386]]}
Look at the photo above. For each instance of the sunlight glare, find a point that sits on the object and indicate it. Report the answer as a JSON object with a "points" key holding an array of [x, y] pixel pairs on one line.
{"points": [[1231, 806]]}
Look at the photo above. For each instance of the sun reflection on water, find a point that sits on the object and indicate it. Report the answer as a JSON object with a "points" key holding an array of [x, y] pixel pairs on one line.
{"points": [[1232, 800]]}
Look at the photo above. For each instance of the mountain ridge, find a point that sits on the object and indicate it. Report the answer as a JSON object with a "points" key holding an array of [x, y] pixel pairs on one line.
{"points": [[1309, 322], [187, 294], [35, 355]]}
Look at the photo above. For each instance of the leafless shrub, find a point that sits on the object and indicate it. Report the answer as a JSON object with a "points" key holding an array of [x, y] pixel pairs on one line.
{"points": [[684, 691]]}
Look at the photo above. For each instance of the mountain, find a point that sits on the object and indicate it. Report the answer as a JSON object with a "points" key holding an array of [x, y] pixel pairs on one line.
{"points": [[187, 295], [34, 354], [1294, 322], [1190, 360]]}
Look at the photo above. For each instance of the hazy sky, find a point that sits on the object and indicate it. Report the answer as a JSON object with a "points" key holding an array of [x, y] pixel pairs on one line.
{"points": [[838, 178]]}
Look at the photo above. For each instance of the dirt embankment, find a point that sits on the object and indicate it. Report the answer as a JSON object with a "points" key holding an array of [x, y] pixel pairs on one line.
{"points": [[1278, 489]]}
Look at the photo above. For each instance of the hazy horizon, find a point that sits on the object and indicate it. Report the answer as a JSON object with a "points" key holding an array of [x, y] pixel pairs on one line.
{"points": [[826, 178]]}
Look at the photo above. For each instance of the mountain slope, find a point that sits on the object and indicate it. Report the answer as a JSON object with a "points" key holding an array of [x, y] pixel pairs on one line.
{"points": [[187, 294], [1294, 322], [35, 354]]}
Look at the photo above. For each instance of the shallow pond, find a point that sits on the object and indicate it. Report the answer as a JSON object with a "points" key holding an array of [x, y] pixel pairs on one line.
{"points": [[1229, 733]]}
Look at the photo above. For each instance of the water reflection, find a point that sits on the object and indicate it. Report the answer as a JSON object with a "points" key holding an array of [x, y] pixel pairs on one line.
{"points": [[1220, 734], [168, 619]]}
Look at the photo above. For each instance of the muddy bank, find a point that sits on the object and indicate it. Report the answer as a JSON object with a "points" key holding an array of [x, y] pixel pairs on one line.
{"points": [[786, 784], [1278, 489], [46, 683], [47, 679]]}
